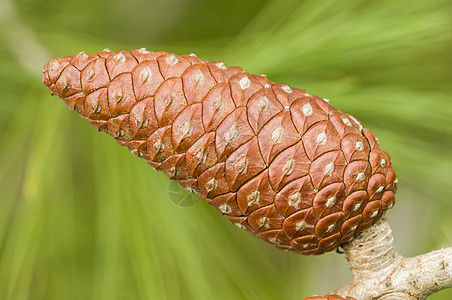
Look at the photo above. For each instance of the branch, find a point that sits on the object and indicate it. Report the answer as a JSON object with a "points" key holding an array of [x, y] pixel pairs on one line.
{"points": [[379, 272]]}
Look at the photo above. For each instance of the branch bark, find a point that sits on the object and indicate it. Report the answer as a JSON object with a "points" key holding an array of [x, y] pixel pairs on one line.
{"points": [[379, 272]]}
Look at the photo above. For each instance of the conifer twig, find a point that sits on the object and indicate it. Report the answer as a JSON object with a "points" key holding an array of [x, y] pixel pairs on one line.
{"points": [[380, 272]]}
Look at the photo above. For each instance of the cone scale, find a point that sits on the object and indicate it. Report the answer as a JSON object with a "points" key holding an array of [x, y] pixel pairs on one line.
{"points": [[284, 165]]}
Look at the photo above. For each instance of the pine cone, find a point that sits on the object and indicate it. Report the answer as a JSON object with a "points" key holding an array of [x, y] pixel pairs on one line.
{"points": [[329, 297], [287, 166]]}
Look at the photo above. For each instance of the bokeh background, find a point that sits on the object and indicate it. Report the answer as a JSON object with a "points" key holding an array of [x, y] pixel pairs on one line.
{"points": [[81, 218]]}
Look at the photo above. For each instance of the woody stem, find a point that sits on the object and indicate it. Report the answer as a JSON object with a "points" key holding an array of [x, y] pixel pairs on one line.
{"points": [[379, 272]]}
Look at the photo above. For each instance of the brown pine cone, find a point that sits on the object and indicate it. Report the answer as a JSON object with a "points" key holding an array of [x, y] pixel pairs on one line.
{"points": [[287, 166], [329, 297]]}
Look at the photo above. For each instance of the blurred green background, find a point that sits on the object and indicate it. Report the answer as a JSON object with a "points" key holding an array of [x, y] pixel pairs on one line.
{"points": [[81, 218]]}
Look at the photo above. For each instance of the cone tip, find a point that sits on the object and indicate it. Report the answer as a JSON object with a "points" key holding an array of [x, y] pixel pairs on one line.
{"points": [[52, 71]]}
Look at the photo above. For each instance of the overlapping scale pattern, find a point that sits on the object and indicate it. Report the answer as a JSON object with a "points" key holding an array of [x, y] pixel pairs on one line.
{"points": [[285, 165]]}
